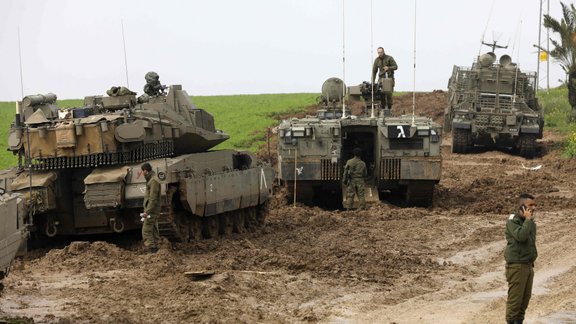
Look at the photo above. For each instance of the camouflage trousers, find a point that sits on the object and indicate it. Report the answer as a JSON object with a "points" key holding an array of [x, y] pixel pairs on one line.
{"points": [[519, 277], [356, 187], [150, 232], [386, 100]]}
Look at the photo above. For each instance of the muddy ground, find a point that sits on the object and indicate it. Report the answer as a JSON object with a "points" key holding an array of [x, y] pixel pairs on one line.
{"points": [[442, 264]]}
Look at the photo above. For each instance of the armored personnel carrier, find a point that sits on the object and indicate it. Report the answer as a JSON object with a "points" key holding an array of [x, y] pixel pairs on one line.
{"points": [[493, 104], [12, 231], [402, 153], [80, 168]]}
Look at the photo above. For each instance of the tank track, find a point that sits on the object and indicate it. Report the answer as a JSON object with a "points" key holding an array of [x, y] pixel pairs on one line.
{"points": [[141, 153], [461, 140], [178, 225], [527, 145], [420, 193]]}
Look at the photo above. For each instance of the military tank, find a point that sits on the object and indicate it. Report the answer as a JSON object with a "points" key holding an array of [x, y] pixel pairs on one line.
{"points": [[493, 104], [402, 153], [12, 231], [79, 168]]}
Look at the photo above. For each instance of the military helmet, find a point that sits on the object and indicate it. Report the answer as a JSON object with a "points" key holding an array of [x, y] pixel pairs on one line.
{"points": [[151, 76]]}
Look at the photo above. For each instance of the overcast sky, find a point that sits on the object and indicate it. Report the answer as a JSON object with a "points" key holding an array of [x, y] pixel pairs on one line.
{"points": [[74, 48]]}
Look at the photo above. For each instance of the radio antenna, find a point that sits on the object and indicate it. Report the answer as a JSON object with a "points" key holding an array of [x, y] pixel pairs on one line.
{"points": [[486, 27], [125, 56], [343, 62], [20, 61], [371, 53], [414, 76]]}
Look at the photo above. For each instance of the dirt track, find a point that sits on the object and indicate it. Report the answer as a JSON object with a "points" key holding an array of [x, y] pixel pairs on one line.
{"points": [[387, 264]]}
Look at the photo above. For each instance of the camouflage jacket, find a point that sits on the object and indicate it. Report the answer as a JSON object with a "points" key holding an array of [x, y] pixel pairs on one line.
{"points": [[380, 63], [152, 195], [356, 168], [521, 240]]}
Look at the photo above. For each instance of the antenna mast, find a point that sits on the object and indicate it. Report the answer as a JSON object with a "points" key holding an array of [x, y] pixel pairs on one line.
{"points": [[125, 57], [20, 60], [343, 62], [485, 28], [414, 76], [371, 53]]}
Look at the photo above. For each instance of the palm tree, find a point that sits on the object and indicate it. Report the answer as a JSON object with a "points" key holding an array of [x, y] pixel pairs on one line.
{"points": [[564, 51]]}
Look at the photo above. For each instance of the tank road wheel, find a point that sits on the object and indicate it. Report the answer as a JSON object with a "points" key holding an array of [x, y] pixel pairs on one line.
{"points": [[196, 227], [226, 224], [461, 140], [527, 145], [210, 227], [239, 221]]}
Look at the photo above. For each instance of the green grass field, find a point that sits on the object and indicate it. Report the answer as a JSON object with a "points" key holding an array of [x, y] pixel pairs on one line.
{"points": [[246, 117]]}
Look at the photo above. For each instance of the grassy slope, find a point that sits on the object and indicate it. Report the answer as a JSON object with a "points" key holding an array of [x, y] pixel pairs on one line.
{"points": [[244, 117]]}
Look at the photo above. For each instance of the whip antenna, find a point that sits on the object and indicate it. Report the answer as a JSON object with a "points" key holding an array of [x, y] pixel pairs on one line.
{"points": [[371, 53], [414, 76], [20, 60], [486, 27], [343, 63], [125, 57], [517, 65]]}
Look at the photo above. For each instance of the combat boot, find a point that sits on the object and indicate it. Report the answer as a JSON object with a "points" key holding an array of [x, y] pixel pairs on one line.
{"points": [[152, 250]]}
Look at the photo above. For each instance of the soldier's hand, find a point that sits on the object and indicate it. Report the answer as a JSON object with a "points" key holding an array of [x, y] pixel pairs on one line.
{"points": [[386, 68], [528, 213]]}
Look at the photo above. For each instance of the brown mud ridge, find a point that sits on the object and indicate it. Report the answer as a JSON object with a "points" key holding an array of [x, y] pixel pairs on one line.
{"points": [[442, 264]]}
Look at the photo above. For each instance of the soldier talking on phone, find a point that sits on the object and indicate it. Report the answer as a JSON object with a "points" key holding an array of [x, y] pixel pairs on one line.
{"points": [[520, 255]]}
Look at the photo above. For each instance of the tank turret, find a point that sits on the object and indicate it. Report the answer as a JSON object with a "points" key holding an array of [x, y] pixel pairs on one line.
{"points": [[111, 130]]}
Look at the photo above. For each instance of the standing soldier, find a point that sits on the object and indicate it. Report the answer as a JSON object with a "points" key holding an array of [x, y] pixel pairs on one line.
{"points": [[520, 255], [355, 170], [385, 66], [150, 233]]}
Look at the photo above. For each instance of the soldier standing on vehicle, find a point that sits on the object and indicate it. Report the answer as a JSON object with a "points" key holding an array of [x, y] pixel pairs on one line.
{"points": [[355, 171], [150, 233], [520, 255], [384, 66]]}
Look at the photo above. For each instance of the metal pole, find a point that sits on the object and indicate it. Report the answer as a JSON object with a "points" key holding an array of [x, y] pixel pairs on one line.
{"points": [[125, 57], [414, 76], [295, 172], [539, 43], [371, 53], [20, 60], [548, 52], [343, 62]]}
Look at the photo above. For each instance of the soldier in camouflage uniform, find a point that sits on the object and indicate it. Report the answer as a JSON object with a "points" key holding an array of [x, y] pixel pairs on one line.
{"points": [[520, 255], [384, 66], [153, 86], [355, 169], [150, 233]]}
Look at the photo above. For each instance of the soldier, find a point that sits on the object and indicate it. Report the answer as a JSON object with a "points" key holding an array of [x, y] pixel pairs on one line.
{"points": [[150, 233], [520, 255], [385, 66], [153, 86], [355, 170]]}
